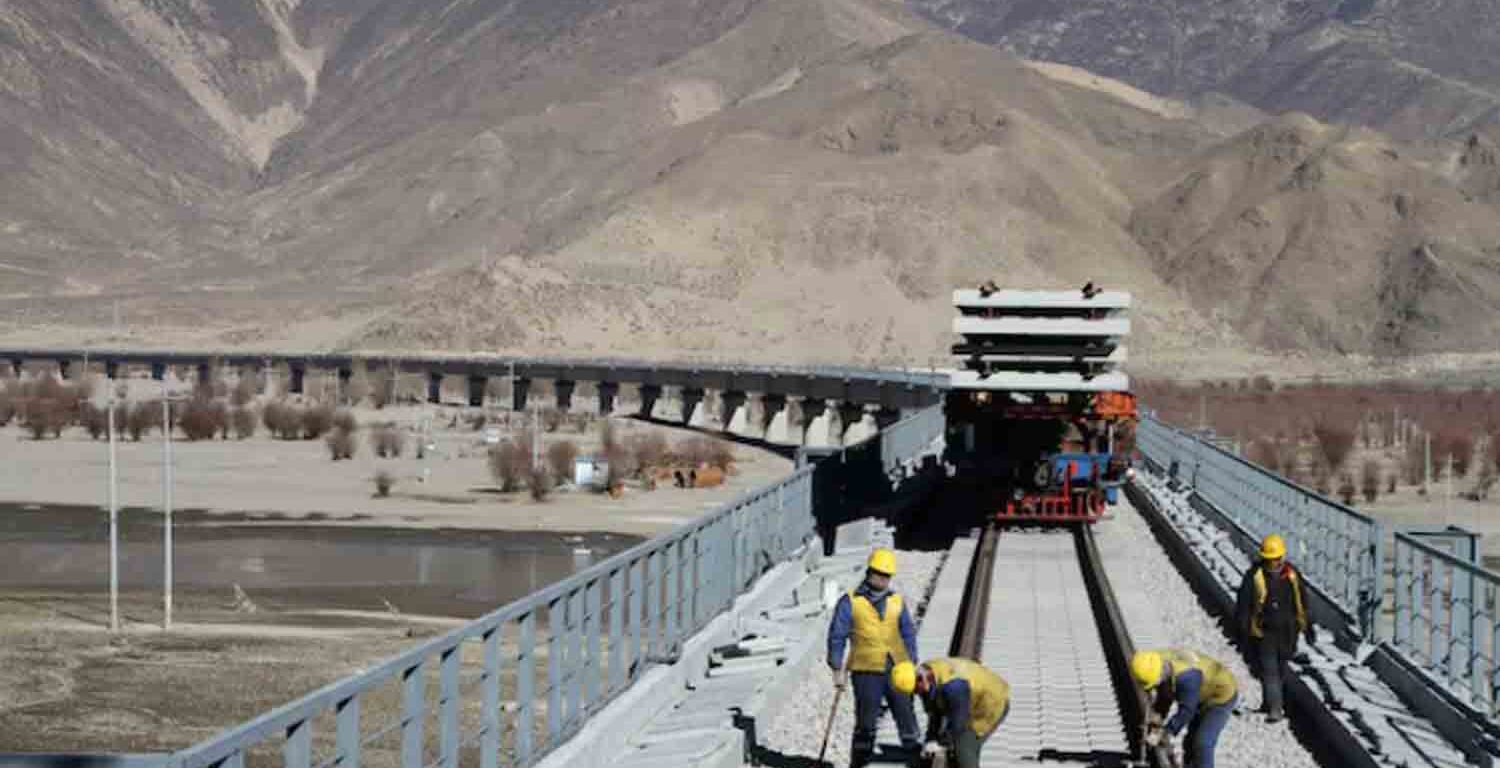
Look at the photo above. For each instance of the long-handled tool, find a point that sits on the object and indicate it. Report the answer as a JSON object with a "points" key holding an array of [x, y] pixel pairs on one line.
{"points": [[838, 693]]}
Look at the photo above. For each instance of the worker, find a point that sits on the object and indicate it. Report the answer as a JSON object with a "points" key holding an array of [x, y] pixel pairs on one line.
{"points": [[1203, 689], [1271, 611], [875, 624], [965, 702]]}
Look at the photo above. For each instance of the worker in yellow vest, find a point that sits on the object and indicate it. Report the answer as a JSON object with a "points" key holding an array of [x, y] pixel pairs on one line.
{"points": [[873, 621], [1272, 611], [1204, 691], [965, 702]]}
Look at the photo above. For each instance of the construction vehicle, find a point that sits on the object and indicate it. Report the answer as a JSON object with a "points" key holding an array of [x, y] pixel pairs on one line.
{"points": [[1041, 420]]}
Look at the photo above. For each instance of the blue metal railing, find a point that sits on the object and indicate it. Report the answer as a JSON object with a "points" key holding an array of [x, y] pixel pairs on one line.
{"points": [[1447, 620], [1338, 548], [540, 666]]}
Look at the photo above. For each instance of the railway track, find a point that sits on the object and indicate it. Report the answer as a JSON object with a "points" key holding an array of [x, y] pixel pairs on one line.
{"points": [[1038, 608]]}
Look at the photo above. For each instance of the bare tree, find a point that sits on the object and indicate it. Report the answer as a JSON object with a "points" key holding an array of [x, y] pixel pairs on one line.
{"points": [[243, 420], [387, 441], [341, 444], [560, 458], [1335, 441], [383, 483], [510, 464], [1369, 480]]}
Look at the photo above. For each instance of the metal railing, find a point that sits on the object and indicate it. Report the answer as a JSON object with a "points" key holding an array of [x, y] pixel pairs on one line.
{"points": [[1447, 620], [1338, 548], [511, 686], [910, 436], [517, 682]]}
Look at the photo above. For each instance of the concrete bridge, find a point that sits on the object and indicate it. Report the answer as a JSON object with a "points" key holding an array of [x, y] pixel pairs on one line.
{"points": [[809, 405]]}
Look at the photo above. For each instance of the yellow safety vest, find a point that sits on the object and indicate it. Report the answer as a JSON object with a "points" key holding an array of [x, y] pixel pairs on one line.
{"points": [[1256, 630], [1218, 686], [875, 639], [989, 694]]}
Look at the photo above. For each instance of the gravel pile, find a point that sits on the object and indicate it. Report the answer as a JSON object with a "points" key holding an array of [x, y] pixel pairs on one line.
{"points": [[1170, 615], [798, 728]]}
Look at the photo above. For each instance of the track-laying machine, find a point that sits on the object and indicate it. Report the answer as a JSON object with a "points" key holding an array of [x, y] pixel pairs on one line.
{"points": [[1041, 421]]}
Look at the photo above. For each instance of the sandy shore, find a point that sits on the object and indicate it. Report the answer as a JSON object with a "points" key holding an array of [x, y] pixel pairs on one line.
{"points": [[451, 487]]}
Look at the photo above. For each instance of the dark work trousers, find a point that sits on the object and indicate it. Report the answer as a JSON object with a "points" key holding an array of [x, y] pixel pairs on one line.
{"points": [[967, 745], [1203, 734], [869, 689], [1274, 658]]}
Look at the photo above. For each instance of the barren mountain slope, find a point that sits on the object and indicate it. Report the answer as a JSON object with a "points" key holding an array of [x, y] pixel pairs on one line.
{"points": [[755, 179], [1414, 69]]}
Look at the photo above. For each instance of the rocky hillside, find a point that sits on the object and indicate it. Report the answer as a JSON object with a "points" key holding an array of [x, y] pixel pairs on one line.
{"points": [[764, 179], [1413, 69]]}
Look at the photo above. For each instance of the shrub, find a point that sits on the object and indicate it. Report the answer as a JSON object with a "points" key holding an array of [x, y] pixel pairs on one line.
{"points": [[509, 464], [243, 419], [284, 421], [1457, 445], [341, 444], [316, 421], [649, 450], [244, 391], [383, 483], [387, 441], [552, 418], [1346, 490], [202, 418], [95, 421], [1369, 481], [539, 482], [143, 418], [344, 420], [1335, 441], [560, 458]]}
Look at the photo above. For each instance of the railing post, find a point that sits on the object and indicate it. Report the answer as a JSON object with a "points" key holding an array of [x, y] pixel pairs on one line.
{"points": [[346, 736], [413, 712], [557, 634], [297, 752], [674, 566], [525, 687], [448, 702], [574, 671], [637, 643], [617, 605], [655, 616], [489, 744], [591, 620]]}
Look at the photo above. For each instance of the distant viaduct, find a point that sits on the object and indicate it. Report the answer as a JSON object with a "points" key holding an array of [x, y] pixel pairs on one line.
{"points": [[849, 403]]}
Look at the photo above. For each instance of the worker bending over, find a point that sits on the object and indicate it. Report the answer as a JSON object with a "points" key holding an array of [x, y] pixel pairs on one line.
{"points": [[1203, 689], [1271, 611], [965, 702], [874, 621]]}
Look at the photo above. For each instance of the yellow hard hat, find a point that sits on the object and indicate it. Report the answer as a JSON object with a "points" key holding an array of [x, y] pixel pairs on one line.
{"points": [[882, 561], [1146, 668], [1272, 548], [904, 678]]}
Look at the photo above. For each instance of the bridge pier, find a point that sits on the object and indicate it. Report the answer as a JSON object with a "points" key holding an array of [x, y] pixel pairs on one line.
{"points": [[63, 367], [733, 412], [816, 423], [519, 391], [692, 402], [434, 387], [477, 385], [111, 369], [346, 376], [562, 390], [650, 396], [608, 391], [773, 414], [857, 423], [298, 374], [17, 367], [158, 370]]}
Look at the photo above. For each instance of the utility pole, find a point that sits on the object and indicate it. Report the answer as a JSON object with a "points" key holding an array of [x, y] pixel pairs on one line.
{"points": [[114, 526], [166, 495], [1427, 460]]}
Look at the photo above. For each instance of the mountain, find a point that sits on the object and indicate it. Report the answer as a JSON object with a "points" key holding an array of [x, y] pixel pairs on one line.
{"points": [[1414, 70], [783, 180]]}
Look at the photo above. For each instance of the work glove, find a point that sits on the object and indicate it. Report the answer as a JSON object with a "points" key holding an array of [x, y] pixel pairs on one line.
{"points": [[931, 750], [841, 679], [1155, 736]]}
